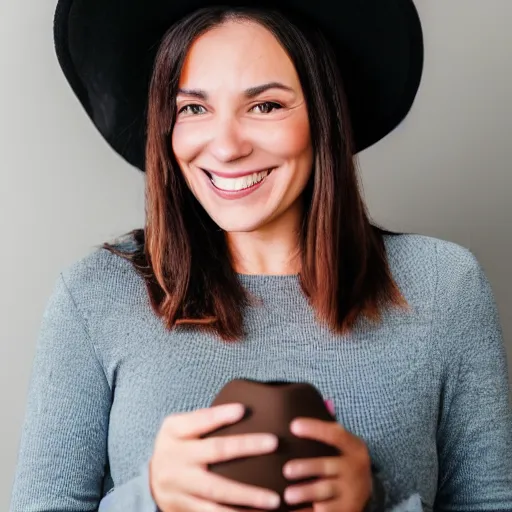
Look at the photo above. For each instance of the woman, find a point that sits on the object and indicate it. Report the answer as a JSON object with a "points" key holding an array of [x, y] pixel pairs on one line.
{"points": [[252, 194]]}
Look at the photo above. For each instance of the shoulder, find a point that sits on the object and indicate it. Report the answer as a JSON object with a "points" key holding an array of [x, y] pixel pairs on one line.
{"points": [[448, 272], [101, 278], [429, 256]]}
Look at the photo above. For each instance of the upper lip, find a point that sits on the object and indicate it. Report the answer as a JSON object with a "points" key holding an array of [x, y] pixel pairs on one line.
{"points": [[235, 174]]}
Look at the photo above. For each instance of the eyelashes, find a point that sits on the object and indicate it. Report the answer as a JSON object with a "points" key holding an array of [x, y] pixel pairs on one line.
{"points": [[191, 107], [271, 104]]}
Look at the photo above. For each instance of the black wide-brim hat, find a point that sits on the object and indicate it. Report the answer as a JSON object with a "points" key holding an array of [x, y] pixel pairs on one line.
{"points": [[106, 49]]}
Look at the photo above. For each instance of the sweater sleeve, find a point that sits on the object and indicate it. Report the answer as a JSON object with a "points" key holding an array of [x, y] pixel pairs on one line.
{"points": [[474, 435], [62, 456]]}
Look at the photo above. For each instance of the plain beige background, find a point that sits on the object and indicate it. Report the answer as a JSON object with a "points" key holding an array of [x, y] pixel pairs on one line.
{"points": [[445, 172]]}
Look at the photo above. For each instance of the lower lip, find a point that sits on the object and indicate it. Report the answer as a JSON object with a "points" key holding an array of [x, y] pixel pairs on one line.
{"points": [[236, 194]]}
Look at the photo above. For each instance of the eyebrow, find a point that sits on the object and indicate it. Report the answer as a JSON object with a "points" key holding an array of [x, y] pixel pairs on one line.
{"points": [[249, 93]]}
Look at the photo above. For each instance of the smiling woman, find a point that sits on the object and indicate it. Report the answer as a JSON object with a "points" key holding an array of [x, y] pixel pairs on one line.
{"points": [[254, 109]]}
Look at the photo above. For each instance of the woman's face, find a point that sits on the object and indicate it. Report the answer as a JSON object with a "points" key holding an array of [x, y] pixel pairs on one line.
{"points": [[241, 136]]}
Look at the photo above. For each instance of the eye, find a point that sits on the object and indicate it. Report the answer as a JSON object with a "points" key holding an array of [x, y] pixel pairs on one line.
{"points": [[191, 109], [267, 106]]}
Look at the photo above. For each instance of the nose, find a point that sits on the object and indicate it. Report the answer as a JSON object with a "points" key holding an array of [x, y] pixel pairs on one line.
{"points": [[228, 142]]}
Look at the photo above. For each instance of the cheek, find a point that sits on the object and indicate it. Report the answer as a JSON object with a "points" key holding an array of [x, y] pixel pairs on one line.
{"points": [[187, 142], [186, 146], [292, 139]]}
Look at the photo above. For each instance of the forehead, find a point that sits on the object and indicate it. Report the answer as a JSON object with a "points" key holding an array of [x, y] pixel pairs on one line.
{"points": [[237, 54]]}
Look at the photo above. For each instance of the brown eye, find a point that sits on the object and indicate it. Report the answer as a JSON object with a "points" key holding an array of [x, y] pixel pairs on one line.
{"points": [[267, 107], [191, 109]]}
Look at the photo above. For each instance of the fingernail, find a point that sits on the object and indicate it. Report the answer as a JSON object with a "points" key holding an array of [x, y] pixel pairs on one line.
{"points": [[330, 406], [270, 442], [273, 501], [233, 410]]}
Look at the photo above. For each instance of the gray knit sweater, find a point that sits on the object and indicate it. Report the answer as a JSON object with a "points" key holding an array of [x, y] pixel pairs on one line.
{"points": [[427, 390]]}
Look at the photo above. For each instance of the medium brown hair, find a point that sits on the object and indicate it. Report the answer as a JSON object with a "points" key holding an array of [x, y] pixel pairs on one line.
{"points": [[183, 255]]}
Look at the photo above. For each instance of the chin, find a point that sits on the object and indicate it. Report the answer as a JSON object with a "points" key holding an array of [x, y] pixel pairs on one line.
{"points": [[239, 225]]}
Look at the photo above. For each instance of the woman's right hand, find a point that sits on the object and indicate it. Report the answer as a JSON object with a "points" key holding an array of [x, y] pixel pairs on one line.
{"points": [[179, 477]]}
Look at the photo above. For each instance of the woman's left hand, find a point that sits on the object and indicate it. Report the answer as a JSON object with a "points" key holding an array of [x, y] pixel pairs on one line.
{"points": [[345, 481]]}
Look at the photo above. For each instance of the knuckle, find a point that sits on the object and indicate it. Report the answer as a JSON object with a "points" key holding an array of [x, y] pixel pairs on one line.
{"points": [[161, 478], [213, 490], [168, 425], [327, 490], [209, 506], [172, 503], [243, 443], [250, 443], [220, 448]]}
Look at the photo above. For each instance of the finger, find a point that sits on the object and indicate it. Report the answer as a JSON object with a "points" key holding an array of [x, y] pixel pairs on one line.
{"points": [[329, 432], [324, 489], [223, 448], [212, 487], [194, 424], [321, 466]]}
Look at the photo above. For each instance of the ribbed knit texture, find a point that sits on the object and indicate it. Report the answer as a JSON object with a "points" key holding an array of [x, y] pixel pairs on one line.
{"points": [[427, 390]]}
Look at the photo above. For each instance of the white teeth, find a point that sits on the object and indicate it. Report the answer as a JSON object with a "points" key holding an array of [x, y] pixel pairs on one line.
{"points": [[233, 184]]}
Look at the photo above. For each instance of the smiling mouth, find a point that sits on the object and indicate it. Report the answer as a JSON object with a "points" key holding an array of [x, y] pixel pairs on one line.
{"points": [[240, 183]]}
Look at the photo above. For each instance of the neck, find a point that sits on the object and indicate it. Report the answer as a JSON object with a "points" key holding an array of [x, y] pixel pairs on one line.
{"points": [[273, 249]]}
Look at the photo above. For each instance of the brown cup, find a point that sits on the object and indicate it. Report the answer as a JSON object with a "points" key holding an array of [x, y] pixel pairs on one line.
{"points": [[270, 408]]}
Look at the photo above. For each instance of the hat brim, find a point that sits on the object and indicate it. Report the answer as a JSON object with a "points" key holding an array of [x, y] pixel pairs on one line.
{"points": [[106, 50]]}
